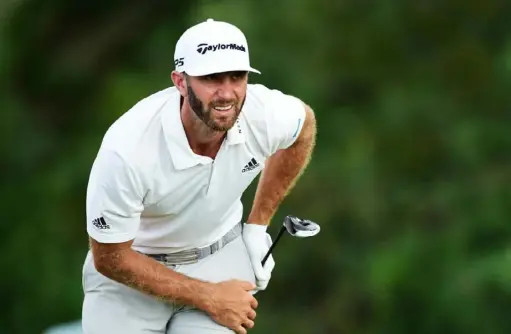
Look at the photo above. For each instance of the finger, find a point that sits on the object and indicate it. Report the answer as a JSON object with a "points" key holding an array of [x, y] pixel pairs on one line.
{"points": [[240, 330], [268, 240], [247, 286], [269, 265], [252, 314], [261, 285], [260, 273], [248, 324], [254, 302]]}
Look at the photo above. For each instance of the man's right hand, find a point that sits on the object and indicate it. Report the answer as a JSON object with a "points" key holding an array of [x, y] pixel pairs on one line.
{"points": [[231, 304]]}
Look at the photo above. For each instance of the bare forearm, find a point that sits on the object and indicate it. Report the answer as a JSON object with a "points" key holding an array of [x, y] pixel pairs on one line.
{"points": [[281, 173], [151, 277]]}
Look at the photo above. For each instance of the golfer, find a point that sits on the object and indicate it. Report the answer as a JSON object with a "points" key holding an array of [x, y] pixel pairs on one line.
{"points": [[170, 252]]}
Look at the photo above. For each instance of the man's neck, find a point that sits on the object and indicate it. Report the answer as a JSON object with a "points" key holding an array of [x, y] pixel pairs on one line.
{"points": [[202, 139]]}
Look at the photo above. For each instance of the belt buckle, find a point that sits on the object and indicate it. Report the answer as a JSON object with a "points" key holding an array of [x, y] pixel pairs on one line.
{"points": [[186, 257]]}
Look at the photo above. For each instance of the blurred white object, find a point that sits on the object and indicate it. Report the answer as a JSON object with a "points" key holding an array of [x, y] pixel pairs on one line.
{"points": [[74, 327]]}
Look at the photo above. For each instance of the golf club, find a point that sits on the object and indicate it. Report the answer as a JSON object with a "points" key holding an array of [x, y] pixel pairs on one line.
{"points": [[296, 227]]}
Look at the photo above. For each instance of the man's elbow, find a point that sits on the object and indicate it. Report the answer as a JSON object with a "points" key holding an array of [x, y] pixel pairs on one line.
{"points": [[109, 257]]}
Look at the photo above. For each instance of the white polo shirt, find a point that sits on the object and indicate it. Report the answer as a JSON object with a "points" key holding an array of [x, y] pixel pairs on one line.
{"points": [[148, 185]]}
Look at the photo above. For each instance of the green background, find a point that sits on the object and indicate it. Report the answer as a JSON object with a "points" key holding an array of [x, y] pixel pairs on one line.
{"points": [[410, 180]]}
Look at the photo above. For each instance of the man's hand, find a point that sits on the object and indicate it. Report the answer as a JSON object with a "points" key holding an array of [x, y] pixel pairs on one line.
{"points": [[231, 304], [258, 243]]}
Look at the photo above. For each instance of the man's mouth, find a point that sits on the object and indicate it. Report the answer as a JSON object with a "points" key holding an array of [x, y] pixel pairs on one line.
{"points": [[223, 108]]}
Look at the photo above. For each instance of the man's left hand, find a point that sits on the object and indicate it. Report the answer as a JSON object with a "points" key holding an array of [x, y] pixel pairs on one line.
{"points": [[258, 242]]}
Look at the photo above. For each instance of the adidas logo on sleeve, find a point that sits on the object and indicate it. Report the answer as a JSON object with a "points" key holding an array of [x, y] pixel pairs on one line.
{"points": [[101, 223]]}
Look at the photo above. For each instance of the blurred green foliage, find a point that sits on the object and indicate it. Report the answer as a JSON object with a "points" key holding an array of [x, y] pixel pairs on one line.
{"points": [[410, 180]]}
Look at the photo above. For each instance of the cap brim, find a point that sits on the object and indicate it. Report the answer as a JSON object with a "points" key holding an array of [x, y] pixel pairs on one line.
{"points": [[197, 72]]}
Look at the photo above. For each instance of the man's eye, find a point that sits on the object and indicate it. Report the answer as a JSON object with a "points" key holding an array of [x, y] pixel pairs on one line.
{"points": [[237, 76]]}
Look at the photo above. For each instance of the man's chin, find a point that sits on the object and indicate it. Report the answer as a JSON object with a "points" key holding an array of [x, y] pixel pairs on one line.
{"points": [[225, 123], [221, 126]]}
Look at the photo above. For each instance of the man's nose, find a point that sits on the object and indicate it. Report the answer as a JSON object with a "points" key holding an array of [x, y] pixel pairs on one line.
{"points": [[226, 90]]}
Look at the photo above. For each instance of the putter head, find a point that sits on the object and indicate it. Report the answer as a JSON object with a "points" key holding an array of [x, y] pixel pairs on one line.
{"points": [[300, 228]]}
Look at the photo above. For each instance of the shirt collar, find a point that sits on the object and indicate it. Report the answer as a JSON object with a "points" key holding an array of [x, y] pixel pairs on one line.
{"points": [[236, 134], [180, 151]]}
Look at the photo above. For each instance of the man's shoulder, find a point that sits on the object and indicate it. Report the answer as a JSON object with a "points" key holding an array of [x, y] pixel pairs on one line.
{"points": [[159, 96], [141, 112], [260, 93], [128, 133], [272, 116], [260, 96], [147, 107]]}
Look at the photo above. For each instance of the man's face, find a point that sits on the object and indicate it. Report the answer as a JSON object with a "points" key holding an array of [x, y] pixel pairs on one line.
{"points": [[217, 99]]}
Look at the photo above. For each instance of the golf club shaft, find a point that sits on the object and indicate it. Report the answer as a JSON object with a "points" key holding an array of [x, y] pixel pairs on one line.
{"points": [[281, 232]]}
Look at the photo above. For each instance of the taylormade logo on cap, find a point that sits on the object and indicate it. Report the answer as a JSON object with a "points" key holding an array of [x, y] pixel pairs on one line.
{"points": [[204, 47]]}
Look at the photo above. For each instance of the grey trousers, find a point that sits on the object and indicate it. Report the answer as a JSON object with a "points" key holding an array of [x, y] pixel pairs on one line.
{"points": [[111, 307]]}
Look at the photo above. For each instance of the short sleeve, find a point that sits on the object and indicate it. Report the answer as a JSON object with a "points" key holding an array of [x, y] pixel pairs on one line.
{"points": [[285, 117], [114, 199]]}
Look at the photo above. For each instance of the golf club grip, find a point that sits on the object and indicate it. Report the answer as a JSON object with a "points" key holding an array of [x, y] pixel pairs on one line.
{"points": [[282, 229]]}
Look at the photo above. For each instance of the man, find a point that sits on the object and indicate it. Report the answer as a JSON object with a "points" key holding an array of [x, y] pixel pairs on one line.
{"points": [[169, 251]]}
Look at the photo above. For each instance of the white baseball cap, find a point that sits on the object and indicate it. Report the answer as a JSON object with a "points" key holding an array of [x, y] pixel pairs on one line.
{"points": [[212, 47]]}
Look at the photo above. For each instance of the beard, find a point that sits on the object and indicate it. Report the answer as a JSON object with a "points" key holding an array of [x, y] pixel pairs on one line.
{"points": [[207, 115]]}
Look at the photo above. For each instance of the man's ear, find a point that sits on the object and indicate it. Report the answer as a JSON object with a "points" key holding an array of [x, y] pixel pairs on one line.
{"points": [[179, 80]]}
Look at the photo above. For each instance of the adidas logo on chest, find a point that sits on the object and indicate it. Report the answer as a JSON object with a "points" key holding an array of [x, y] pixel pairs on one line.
{"points": [[250, 165]]}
